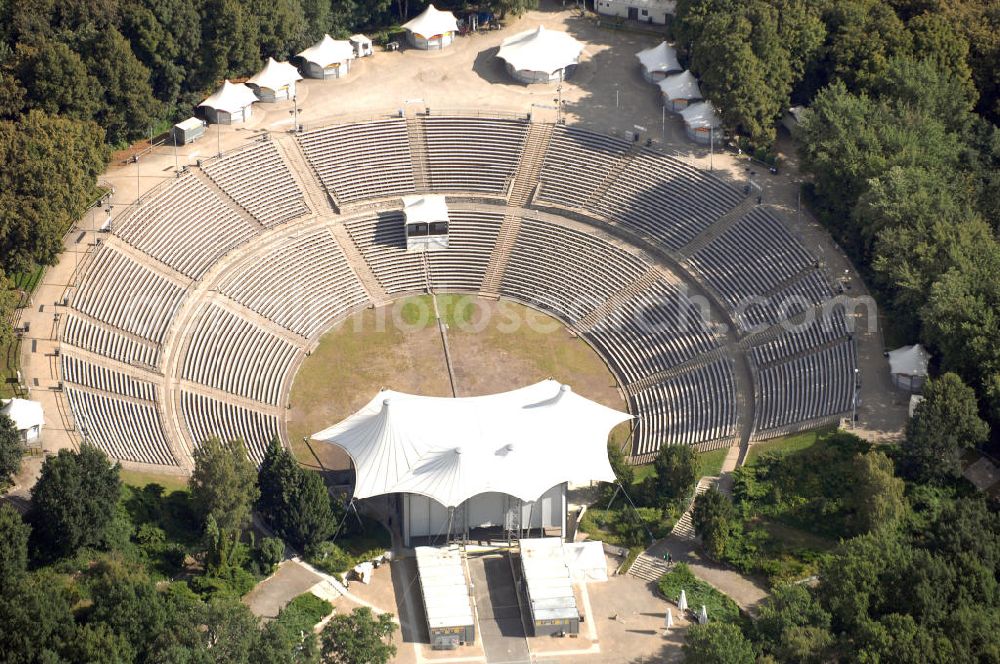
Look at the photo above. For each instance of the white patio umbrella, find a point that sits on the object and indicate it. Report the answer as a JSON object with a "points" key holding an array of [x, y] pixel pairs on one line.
{"points": [[669, 620], [703, 616], [682, 603]]}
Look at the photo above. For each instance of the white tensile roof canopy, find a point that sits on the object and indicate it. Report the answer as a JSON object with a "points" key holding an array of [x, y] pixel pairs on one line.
{"points": [[680, 86], [24, 413], [276, 75], [425, 208], [432, 22], [540, 50], [661, 58], [327, 51], [231, 97], [521, 443], [909, 360], [701, 116]]}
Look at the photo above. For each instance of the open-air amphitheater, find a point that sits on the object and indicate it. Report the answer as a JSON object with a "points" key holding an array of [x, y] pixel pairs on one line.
{"points": [[190, 317]]}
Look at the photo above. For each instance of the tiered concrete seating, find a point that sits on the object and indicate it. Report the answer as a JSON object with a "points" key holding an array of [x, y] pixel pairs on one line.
{"points": [[577, 162], [128, 296], [206, 417], [99, 339], [801, 338], [361, 160], [471, 238], [652, 332], [234, 355], [472, 153], [303, 284], [126, 429], [257, 179], [809, 387], [185, 226], [694, 407], [81, 372]]}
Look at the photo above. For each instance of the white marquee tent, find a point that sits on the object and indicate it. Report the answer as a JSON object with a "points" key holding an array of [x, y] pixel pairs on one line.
{"points": [[276, 81], [233, 102], [540, 55], [27, 416], [432, 29], [327, 58], [908, 366], [658, 62], [518, 444], [679, 90], [701, 123]]}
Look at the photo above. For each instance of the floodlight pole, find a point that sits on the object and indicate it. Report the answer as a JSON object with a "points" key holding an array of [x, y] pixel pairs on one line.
{"points": [[711, 148], [663, 124]]}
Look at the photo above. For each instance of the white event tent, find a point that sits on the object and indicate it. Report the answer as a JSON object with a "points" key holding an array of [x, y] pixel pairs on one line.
{"points": [[658, 62], [540, 55], [327, 58], [701, 123], [500, 460], [27, 416], [276, 81], [908, 366], [432, 29], [679, 90], [233, 102]]}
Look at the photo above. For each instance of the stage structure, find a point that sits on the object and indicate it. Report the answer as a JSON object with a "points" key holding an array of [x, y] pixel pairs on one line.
{"points": [[491, 467], [426, 219]]}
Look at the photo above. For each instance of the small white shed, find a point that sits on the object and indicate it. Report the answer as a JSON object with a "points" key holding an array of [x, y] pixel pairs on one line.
{"points": [[908, 366], [27, 416]]}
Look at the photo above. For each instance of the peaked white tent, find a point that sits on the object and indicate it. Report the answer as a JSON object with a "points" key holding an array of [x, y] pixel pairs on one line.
{"points": [[540, 55], [233, 102], [701, 123], [276, 81], [327, 58], [658, 62], [475, 454], [432, 29], [27, 416], [679, 90], [908, 366]]}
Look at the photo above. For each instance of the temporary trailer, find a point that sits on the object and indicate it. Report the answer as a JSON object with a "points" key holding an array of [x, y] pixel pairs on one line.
{"points": [[327, 58], [433, 29], [658, 62], [540, 55], [187, 131], [275, 82], [231, 103], [549, 586], [445, 592], [362, 46]]}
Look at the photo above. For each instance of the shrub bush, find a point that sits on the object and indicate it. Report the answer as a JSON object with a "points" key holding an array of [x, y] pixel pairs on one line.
{"points": [[720, 608]]}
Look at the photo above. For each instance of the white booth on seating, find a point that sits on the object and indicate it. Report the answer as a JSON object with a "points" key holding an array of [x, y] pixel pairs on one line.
{"points": [[27, 416], [486, 467], [327, 58], [679, 91], [908, 366], [433, 29], [540, 55], [275, 82], [702, 124], [426, 219], [231, 103], [658, 62]]}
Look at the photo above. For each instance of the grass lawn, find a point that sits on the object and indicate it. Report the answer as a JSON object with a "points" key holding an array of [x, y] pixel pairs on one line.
{"points": [[709, 465], [792, 443], [140, 479]]}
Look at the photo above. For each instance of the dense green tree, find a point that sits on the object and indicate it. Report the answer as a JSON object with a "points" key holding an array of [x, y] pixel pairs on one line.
{"points": [[36, 624], [792, 627], [98, 643], [166, 37], [74, 500], [295, 502], [717, 643], [127, 602], [229, 41], [877, 494], [358, 637], [676, 469], [11, 450], [944, 424], [56, 80], [514, 7], [715, 519], [281, 26], [14, 534], [224, 484], [862, 37]]}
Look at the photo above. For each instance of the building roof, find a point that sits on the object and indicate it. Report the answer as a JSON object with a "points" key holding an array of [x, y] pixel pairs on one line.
{"points": [[701, 116], [660, 58], [909, 360], [521, 443], [432, 22], [276, 75], [328, 51], [231, 97], [442, 583], [425, 208], [540, 50], [189, 124], [24, 413], [680, 86]]}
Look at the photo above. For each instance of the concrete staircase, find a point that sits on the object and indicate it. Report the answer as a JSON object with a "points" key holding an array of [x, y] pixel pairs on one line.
{"points": [[648, 568], [509, 229], [653, 379], [625, 294], [418, 153], [227, 199], [610, 178], [316, 196], [719, 226], [684, 528], [376, 293], [536, 145]]}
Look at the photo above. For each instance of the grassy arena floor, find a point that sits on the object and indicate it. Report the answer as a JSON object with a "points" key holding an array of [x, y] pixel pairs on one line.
{"points": [[495, 346]]}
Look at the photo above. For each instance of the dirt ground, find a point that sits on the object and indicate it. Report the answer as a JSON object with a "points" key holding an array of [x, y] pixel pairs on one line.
{"points": [[495, 346]]}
